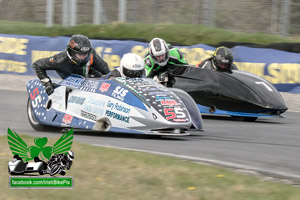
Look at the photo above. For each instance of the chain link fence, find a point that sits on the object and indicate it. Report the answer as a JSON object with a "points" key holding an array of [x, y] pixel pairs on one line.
{"points": [[267, 16]]}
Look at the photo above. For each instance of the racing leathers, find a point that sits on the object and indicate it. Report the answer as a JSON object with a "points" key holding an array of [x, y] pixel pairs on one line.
{"points": [[161, 73], [95, 67], [209, 64]]}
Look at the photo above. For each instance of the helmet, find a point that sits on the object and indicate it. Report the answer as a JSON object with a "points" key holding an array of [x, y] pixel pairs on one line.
{"points": [[79, 49], [159, 51], [70, 155], [132, 66], [223, 58]]}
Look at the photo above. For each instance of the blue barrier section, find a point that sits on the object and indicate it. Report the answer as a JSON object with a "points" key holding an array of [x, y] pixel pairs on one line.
{"points": [[282, 69]]}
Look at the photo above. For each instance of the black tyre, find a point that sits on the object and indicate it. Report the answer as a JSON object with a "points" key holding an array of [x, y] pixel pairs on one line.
{"points": [[245, 119], [32, 120], [41, 172], [144, 136], [250, 119]]}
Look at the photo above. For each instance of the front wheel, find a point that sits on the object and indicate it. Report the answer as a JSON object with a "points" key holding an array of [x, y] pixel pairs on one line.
{"points": [[32, 120]]}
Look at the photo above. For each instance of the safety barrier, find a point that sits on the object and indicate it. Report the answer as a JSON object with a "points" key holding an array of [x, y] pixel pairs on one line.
{"points": [[281, 68]]}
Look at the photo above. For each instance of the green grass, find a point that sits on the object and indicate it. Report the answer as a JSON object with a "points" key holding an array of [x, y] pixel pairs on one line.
{"points": [[106, 173], [188, 34]]}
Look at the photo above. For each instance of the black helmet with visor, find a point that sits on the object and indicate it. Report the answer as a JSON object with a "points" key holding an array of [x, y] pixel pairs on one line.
{"points": [[79, 49], [223, 58]]}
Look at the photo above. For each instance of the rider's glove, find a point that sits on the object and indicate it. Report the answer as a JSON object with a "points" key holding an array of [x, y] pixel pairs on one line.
{"points": [[162, 78], [48, 85], [94, 73]]}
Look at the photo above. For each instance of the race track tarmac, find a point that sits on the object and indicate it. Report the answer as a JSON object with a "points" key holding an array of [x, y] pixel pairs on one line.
{"points": [[270, 146]]}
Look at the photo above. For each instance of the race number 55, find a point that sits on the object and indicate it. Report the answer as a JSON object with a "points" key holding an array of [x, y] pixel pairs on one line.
{"points": [[36, 99], [171, 113]]}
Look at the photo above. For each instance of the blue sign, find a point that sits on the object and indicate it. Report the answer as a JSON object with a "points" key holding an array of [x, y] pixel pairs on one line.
{"points": [[282, 69]]}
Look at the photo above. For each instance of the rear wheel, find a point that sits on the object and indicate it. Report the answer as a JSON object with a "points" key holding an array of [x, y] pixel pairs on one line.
{"points": [[32, 120]]}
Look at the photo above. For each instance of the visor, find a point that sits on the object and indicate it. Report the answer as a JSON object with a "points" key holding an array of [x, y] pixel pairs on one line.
{"points": [[133, 73], [161, 62]]}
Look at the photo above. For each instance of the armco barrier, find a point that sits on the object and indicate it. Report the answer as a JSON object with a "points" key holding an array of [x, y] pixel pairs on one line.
{"points": [[281, 68]]}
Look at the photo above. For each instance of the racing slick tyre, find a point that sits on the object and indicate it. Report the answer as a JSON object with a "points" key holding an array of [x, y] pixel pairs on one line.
{"points": [[250, 119], [34, 123]]}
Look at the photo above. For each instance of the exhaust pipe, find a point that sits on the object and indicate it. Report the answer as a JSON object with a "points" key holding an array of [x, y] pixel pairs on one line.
{"points": [[212, 109], [102, 124]]}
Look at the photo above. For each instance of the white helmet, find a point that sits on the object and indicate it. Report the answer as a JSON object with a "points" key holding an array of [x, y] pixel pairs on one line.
{"points": [[159, 51], [132, 66], [70, 155]]}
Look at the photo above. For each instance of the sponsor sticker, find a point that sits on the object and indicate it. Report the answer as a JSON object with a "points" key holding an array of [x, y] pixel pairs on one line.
{"points": [[104, 87], [40, 159], [88, 115], [67, 119], [119, 93]]}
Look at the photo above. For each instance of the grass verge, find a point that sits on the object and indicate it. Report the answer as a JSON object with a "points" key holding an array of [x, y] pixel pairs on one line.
{"points": [[106, 173], [188, 34]]}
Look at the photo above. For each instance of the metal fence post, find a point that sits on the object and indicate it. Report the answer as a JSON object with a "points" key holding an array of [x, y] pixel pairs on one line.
{"points": [[285, 17], [209, 12], [274, 14], [122, 10], [65, 14], [212, 12], [205, 12], [49, 13], [73, 14], [97, 17]]}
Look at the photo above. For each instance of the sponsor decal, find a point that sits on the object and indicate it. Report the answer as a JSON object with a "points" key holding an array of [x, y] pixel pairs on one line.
{"points": [[98, 102], [117, 116], [98, 110], [159, 98], [104, 87], [72, 44], [119, 93], [158, 93], [89, 86], [67, 119], [76, 100], [144, 89], [118, 107], [168, 102], [94, 106], [148, 62], [52, 160], [180, 120], [88, 115], [73, 82]]}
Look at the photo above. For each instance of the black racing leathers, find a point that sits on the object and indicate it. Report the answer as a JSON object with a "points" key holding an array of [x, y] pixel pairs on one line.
{"points": [[60, 62], [113, 74]]}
